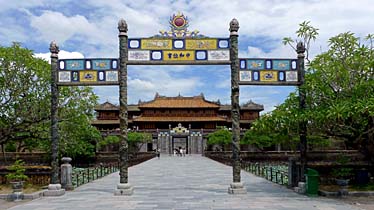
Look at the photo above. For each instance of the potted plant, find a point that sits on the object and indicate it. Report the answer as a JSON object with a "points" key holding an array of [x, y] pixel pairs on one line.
{"points": [[342, 174], [17, 176]]}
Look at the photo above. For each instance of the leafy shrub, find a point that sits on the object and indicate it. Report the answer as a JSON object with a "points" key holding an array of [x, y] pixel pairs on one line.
{"points": [[17, 171]]}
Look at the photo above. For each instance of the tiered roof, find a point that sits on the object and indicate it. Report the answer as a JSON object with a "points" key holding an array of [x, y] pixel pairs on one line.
{"points": [[107, 106], [178, 102], [247, 106], [179, 119]]}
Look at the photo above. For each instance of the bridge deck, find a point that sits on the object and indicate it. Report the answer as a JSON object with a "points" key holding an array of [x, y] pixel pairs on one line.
{"points": [[191, 182]]}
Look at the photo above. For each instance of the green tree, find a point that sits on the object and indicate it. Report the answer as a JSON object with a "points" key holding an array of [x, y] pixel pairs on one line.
{"points": [[278, 127], [137, 140], [339, 87], [25, 106], [340, 91], [23, 93], [17, 171], [77, 136], [108, 140], [220, 137], [305, 34]]}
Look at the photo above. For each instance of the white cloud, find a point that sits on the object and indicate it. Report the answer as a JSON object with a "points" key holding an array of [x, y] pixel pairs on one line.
{"points": [[56, 26], [269, 96], [92, 30], [146, 82], [8, 5], [8, 35], [61, 55], [280, 51]]}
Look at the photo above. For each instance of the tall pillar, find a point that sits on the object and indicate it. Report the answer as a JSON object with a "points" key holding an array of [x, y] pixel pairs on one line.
{"points": [[54, 112], [236, 187], [202, 142], [169, 142], [300, 49], [123, 188], [54, 188], [158, 145], [172, 144], [166, 143]]}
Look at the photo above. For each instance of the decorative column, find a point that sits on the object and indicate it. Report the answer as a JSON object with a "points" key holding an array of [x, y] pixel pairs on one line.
{"points": [[54, 188], [189, 140], [236, 187], [202, 142], [123, 188], [169, 142], [300, 49], [158, 146]]}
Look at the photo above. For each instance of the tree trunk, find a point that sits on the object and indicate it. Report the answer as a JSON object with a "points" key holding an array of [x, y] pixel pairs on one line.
{"points": [[370, 139]]}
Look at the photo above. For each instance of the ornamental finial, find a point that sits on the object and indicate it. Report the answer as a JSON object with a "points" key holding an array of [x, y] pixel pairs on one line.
{"points": [[122, 26], [300, 48], [234, 26], [53, 48]]}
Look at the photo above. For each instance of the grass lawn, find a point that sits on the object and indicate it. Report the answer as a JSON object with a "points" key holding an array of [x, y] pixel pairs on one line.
{"points": [[28, 188]]}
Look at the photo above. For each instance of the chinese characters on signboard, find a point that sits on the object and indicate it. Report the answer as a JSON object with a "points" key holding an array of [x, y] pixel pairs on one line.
{"points": [[170, 50]]}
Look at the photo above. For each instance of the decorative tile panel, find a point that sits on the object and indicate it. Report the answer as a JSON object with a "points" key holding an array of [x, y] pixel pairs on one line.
{"points": [[258, 71], [95, 71]]}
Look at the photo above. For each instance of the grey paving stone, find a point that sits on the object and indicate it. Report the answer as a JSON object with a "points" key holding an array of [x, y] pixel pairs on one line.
{"points": [[188, 183]]}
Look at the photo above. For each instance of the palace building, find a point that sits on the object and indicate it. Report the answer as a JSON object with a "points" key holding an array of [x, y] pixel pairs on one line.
{"points": [[175, 122]]}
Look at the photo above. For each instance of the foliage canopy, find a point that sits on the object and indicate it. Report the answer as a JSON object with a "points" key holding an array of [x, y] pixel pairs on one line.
{"points": [[25, 106], [339, 87]]}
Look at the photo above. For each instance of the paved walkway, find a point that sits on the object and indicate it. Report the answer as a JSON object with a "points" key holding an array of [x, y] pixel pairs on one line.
{"points": [[191, 182]]}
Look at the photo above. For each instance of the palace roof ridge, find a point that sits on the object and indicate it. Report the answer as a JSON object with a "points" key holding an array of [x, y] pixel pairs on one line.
{"points": [[179, 101]]}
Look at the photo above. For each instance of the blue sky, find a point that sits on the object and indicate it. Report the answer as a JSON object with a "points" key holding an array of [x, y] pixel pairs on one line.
{"points": [[89, 29]]}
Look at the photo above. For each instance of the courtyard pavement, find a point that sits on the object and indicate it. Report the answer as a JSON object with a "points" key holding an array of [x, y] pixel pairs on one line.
{"points": [[182, 183]]}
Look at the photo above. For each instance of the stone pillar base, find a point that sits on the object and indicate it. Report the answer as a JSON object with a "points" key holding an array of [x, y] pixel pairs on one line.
{"points": [[124, 189], [16, 196], [237, 188], [301, 188], [68, 187], [54, 190], [343, 191]]}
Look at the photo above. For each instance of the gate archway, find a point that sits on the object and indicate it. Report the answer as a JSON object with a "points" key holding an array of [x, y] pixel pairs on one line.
{"points": [[176, 47]]}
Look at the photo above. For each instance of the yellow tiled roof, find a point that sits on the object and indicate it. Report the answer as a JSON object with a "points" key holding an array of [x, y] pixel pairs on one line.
{"points": [[178, 102], [178, 119]]}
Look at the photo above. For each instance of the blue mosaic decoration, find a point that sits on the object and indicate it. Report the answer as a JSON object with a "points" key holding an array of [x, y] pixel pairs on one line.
{"points": [[101, 64], [74, 64], [255, 64], [97, 71], [281, 65], [258, 71]]}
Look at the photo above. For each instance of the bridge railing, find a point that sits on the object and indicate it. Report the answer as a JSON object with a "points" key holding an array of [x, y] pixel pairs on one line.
{"points": [[82, 176], [274, 173]]}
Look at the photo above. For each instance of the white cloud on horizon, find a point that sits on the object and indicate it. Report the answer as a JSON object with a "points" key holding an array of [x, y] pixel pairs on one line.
{"points": [[61, 55], [93, 33]]}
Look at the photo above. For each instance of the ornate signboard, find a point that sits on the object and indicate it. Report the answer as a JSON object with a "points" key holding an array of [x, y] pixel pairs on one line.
{"points": [[174, 50], [256, 71], [100, 71], [179, 46]]}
